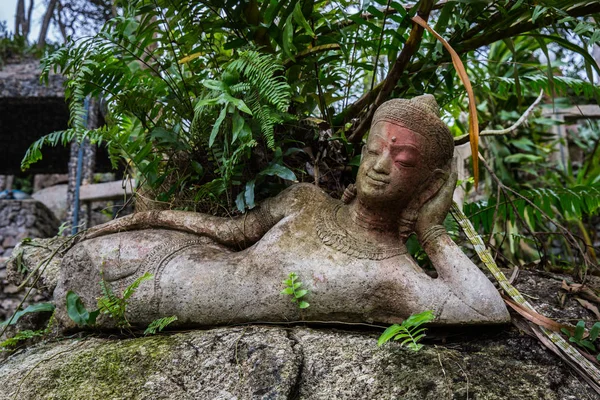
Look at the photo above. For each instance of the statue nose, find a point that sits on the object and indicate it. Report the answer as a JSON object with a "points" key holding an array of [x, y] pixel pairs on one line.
{"points": [[382, 164]]}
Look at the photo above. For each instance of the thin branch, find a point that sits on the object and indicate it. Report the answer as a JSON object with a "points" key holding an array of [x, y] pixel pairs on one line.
{"points": [[410, 48], [386, 11], [309, 52], [500, 132], [463, 47], [379, 46]]}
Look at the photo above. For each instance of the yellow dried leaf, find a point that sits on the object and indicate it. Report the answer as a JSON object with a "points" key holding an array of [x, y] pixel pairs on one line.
{"points": [[462, 74]]}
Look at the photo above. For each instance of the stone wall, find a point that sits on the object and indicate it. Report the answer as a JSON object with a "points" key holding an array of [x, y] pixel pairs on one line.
{"points": [[20, 219]]}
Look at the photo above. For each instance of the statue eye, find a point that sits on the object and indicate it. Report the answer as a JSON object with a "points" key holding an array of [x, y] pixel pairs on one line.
{"points": [[407, 157], [405, 164]]}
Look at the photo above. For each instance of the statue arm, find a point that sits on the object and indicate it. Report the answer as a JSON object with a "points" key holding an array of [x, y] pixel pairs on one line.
{"points": [[469, 295], [238, 232]]}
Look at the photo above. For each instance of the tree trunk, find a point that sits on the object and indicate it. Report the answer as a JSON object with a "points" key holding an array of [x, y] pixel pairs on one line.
{"points": [[20, 18], [46, 23], [61, 24], [27, 28]]}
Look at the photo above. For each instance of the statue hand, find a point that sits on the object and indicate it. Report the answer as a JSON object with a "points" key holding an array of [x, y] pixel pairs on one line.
{"points": [[434, 210]]}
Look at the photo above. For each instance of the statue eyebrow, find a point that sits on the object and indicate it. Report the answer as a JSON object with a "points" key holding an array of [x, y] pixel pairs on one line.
{"points": [[405, 146]]}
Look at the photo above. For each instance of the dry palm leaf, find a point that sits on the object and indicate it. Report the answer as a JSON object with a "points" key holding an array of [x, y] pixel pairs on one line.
{"points": [[555, 342], [462, 74]]}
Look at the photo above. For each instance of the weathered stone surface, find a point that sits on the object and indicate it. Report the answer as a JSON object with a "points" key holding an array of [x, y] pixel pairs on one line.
{"points": [[242, 363], [22, 80], [277, 363], [20, 219], [55, 198]]}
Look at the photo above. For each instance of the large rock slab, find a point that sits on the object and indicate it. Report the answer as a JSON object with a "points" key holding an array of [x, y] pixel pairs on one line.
{"points": [[259, 362], [220, 364]]}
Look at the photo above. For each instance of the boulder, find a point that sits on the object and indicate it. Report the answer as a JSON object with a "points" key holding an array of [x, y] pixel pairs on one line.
{"points": [[55, 198], [262, 362]]}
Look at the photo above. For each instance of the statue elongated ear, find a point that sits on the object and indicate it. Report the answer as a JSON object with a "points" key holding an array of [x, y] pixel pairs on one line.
{"points": [[433, 186], [427, 191]]}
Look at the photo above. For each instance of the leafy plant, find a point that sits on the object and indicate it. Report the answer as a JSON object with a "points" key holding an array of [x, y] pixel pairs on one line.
{"points": [[199, 96], [116, 306], [293, 289], [39, 307], [577, 336], [26, 334], [78, 313], [409, 332], [159, 325], [21, 336], [113, 305]]}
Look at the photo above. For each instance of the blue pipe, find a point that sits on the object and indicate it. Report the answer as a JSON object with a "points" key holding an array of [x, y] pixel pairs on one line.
{"points": [[86, 105]]}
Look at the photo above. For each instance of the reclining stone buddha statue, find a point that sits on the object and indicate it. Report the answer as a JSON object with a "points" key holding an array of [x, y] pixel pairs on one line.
{"points": [[351, 256]]}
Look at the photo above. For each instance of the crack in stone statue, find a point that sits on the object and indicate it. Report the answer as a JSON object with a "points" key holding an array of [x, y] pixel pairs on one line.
{"points": [[350, 255]]}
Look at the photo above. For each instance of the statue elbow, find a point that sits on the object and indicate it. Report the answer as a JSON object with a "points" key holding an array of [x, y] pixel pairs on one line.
{"points": [[485, 311]]}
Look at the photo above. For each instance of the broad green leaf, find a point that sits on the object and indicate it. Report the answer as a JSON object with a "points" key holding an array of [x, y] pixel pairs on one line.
{"points": [[595, 331], [288, 39], [303, 304], [418, 319], [216, 126], [76, 310], [389, 333], [214, 85], [40, 307], [288, 291], [300, 20], [237, 125], [238, 103], [249, 194], [579, 330], [280, 171]]}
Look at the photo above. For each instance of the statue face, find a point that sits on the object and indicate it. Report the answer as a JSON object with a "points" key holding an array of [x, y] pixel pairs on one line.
{"points": [[393, 167]]}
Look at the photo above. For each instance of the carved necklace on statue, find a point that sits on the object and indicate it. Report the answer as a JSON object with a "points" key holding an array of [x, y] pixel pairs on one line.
{"points": [[337, 237]]}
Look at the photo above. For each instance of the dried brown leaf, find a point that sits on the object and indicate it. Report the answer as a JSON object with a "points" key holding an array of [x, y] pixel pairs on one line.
{"points": [[464, 77], [586, 304]]}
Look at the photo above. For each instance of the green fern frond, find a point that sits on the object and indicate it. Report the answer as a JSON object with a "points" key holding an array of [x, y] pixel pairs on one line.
{"points": [[21, 336], [267, 118], [130, 290], [159, 325], [409, 332], [264, 74]]}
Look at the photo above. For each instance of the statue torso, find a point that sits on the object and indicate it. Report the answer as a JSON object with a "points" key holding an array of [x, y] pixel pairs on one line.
{"points": [[202, 282]]}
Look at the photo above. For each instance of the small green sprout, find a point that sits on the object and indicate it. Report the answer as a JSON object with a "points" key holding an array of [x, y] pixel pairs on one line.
{"points": [[293, 289]]}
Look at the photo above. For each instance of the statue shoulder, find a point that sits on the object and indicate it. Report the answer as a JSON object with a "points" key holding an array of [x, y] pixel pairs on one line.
{"points": [[296, 198], [306, 192]]}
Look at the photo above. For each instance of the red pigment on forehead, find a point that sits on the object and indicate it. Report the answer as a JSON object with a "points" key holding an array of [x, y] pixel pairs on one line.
{"points": [[396, 137], [403, 144]]}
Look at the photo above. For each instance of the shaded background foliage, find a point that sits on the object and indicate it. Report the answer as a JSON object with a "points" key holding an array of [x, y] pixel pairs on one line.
{"points": [[215, 105]]}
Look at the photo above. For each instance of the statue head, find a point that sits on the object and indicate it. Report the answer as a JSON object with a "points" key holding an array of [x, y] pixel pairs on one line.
{"points": [[409, 151]]}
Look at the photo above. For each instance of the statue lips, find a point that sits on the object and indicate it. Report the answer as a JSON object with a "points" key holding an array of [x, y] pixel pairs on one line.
{"points": [[378, 180]]}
